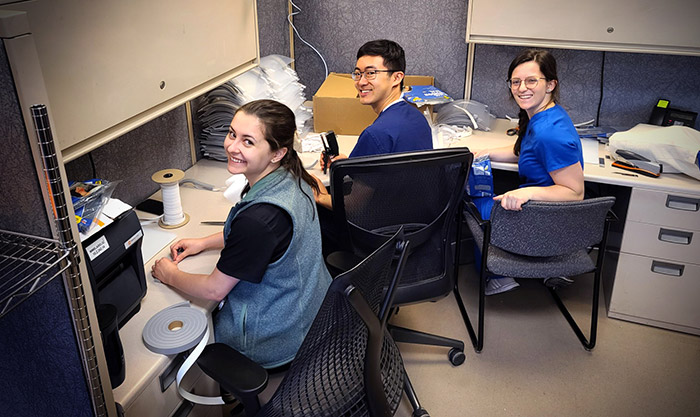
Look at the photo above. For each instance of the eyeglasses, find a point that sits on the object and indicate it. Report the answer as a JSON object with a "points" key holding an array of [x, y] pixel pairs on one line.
{"points": [[370, 74], [529, 82]]}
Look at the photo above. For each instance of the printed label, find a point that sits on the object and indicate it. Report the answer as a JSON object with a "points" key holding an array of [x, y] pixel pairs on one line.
{"points": [[133, 239], [97, 248]]}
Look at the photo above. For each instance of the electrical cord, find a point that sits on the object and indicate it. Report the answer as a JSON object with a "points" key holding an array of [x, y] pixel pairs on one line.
{"points": [[289, 19], [602, 81]]}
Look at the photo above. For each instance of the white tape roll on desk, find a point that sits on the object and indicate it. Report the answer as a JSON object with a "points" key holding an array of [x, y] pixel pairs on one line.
{"points": [[169, 180], [176, 329]]}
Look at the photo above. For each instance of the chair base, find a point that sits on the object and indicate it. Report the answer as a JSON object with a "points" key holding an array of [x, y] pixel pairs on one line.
{"points": [[404, 335]]}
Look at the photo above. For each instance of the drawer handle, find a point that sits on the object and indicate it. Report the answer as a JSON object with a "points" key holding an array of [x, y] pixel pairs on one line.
{"points": [[682, 203], [675, 236], [666, 268]]}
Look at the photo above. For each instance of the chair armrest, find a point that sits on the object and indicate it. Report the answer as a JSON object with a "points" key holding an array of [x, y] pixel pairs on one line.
{"points": [[341, 261], [471, 210], [238, 375]]}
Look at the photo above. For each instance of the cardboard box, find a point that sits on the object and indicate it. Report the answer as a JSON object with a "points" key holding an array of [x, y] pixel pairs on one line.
{"points": [[337, 106]]}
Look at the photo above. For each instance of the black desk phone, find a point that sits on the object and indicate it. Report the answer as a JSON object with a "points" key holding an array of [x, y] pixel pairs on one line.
{"points": [[663, 115]]}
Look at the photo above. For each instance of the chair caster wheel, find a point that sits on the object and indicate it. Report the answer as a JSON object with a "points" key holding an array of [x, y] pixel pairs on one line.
{"points": [[456, 356], [420, 413]]}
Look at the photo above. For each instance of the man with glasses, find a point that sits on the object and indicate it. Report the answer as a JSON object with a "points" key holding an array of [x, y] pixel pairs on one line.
{"points": [[399, 127]]}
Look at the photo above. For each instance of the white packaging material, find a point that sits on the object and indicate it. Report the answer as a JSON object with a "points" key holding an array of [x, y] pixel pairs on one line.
{"points": [[675, 147]]}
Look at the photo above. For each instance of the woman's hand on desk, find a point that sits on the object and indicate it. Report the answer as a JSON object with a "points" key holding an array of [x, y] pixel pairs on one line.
{"points": [[163, 270]]}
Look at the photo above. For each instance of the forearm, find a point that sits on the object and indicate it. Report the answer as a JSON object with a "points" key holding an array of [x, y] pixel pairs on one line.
{"points": [[215, 241], [502, 154], [207, 287], [325, 201], [555, 193]]}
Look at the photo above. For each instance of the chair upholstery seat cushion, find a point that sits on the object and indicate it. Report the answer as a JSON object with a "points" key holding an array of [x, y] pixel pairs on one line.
{"points": [[501, 262]]}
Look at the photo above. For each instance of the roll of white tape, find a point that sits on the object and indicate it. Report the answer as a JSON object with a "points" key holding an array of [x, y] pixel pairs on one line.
{"points": [[176, 329], [173, 215]]}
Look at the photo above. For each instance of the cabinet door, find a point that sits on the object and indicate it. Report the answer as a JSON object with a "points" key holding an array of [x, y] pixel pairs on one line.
{"points": [[111, 65], [635, 25]]}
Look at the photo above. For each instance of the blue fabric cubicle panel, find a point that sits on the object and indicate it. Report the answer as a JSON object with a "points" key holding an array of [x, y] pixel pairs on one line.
{"points": [[578, 71], [635, 82], [41, 372]]}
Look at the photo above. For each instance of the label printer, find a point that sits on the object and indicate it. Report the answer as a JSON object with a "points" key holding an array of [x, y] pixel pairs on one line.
{"points": [[115, 266]]}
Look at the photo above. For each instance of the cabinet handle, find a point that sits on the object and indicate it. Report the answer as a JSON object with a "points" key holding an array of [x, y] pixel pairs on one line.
{"points": [[666, 268], [682, 203], [675, 236]]}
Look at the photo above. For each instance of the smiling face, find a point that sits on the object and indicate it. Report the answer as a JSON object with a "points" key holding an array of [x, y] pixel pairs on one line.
{"points": [[534, 99], [382, 90], [247, 150]]}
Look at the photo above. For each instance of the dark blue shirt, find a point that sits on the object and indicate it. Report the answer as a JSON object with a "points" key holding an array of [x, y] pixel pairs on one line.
{"points": [[399, 128]]}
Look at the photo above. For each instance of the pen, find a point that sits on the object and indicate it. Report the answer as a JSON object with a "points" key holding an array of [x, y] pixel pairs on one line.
{"points": [[626, 173]]}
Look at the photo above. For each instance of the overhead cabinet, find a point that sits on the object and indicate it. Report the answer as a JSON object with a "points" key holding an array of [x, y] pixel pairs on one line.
{"points": [[667, 27], [109, 66]]}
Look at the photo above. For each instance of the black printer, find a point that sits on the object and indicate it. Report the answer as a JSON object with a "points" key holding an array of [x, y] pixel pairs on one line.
{"points": [[115, 265]]}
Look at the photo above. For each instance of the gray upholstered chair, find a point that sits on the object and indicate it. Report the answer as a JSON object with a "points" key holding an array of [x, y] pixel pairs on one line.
{"points": [[545, 239]]}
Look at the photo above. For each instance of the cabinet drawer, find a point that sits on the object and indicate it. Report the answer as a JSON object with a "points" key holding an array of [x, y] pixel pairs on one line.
{"points": [[662, 208], [664, 242], [657, 292]]}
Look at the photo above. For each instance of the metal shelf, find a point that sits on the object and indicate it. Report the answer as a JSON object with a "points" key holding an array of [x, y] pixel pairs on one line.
{"points": [[27, 263]]}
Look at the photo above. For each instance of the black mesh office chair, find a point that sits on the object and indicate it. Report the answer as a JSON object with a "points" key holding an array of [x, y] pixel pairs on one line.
{"points": [[545, 239], [348, 365], [421, 192]]}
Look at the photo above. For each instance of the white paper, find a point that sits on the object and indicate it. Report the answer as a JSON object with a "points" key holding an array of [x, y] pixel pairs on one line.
{"points": [[590, 150]]}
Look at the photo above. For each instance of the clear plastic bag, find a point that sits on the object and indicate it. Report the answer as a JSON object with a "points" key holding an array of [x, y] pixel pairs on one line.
{"points": [[89, 197], [465, 113]]}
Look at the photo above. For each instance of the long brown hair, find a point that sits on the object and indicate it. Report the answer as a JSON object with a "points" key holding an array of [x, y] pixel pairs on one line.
{"points": [[548, 66], [279, 127]]}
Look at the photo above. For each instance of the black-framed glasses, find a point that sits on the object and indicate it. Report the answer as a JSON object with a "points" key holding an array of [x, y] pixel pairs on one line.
{"points": [[530, 82], [370, 74]]}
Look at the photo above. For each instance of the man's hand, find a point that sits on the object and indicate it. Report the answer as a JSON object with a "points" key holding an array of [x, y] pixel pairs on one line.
{"points": [[335, 158], [322, 198]]}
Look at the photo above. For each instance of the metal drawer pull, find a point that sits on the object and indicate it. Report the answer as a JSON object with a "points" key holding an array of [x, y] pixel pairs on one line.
{"points": [[682, 203], [666, 268], [675, 236]]}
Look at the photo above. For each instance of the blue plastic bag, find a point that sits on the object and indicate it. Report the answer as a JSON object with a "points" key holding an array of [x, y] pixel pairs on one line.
{"points": [[480, 183]]}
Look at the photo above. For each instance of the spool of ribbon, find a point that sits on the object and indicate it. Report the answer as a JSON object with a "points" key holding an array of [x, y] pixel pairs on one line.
{"points": [[173, 215], [176, 329]]}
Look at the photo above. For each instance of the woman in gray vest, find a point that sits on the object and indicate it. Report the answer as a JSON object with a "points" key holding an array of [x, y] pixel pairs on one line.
{"points": [[270, 273]]}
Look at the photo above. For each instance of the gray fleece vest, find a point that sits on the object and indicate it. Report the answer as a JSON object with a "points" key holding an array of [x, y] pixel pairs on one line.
{"points": [[268, 321]]}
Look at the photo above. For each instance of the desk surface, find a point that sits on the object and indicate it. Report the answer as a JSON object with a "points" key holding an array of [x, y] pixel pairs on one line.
{"points": [[142, 365], [592, 172]]}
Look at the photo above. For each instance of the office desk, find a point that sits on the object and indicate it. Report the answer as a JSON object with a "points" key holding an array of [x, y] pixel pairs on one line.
{"points": [[652, 271], [140, 394]]}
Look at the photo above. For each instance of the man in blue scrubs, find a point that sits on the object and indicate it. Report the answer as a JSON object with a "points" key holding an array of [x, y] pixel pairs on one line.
{"points": [[399, 127]]}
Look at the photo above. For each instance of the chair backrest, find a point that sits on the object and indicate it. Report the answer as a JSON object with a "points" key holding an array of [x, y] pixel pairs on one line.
{"points": [[348, 365], [550, 228], [373, 196]]}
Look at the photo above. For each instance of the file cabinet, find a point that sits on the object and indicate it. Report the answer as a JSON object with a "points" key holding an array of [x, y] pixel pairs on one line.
{"points": [[657, 276]]}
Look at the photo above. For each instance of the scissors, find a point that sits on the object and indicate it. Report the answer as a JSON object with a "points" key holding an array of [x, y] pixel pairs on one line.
{"points": [[512, 131]]}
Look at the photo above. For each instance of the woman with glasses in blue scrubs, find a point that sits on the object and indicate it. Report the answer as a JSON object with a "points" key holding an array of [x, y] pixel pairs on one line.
{"points": [[548, 149]]}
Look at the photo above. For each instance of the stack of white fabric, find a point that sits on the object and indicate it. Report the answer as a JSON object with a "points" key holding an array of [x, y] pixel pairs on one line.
{"points": [[273, 79]]}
